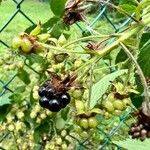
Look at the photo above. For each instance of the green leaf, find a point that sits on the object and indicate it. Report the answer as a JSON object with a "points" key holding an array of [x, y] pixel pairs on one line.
{"points": [[16, 97], [39, 130], [30, 28], [4, 99], [58, 29], [126, 2], [144, 38], [34, 58], [3, 111], [50, 23], [101, 86], [24, 76], [129, 8], [136, 100], [144, 58], [57, 7], [121, 56], [131, 144]]}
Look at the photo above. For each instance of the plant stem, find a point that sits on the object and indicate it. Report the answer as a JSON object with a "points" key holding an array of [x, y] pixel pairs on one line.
{"points": [[133, 30], [90, 37], [90, 88], [60, 49], [140, 72]]}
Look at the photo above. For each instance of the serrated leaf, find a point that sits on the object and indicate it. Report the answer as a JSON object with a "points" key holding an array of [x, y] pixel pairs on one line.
{"points": [[4, 99], [143, 58], [101, 86], [57, 7], [24, 76], [131, 144]]}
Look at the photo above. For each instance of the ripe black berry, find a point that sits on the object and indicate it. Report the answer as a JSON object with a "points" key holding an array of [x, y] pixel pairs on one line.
{"points": [[64, 99], [54, 105], [50, 92], [42, 91], [44, 102]]}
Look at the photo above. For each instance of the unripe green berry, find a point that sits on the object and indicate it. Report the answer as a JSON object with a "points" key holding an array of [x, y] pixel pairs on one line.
{"points": [[109, 106], [77, 94], [92, 122], [84, 123], [16, 42], [118, 105]]}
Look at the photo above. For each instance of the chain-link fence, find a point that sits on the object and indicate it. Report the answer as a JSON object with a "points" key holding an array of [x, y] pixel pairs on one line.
{"points": [[107, 140]]}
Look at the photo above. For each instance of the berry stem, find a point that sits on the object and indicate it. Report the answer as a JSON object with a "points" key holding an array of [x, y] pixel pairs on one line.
{"points": [[91, 83], [140, 72], [60, 49]]}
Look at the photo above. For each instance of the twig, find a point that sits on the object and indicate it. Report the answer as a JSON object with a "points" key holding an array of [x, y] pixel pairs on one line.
{"points": [[140, 72]]}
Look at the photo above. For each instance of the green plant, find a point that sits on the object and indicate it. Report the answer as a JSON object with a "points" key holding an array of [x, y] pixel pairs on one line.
{"points": [[83, 88]]}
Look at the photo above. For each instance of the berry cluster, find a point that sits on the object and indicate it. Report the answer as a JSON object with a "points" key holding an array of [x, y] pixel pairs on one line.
{"points": [[139, 131], [52, 100]]}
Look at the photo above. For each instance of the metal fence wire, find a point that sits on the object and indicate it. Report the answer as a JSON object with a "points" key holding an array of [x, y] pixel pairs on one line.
{"points": [[117, 28]]}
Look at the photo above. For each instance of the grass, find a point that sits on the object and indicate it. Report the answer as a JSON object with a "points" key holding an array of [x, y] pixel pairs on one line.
{"points": [[35, 10]]}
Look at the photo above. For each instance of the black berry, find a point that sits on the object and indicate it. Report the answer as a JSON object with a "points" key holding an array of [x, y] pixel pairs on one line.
{"points": [[50, 92], [54, 105], [42, 91], [44, 102], [64, 99]]}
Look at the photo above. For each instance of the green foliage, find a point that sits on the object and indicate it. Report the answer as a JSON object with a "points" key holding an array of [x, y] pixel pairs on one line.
{"points": [[44, 127], [128, 8], [4, 99], [4, 110], [144, 55], [131, 144], [121, 56], [34, 58], [24, 76], [57, 7], [38, 127], [100, 88]]}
